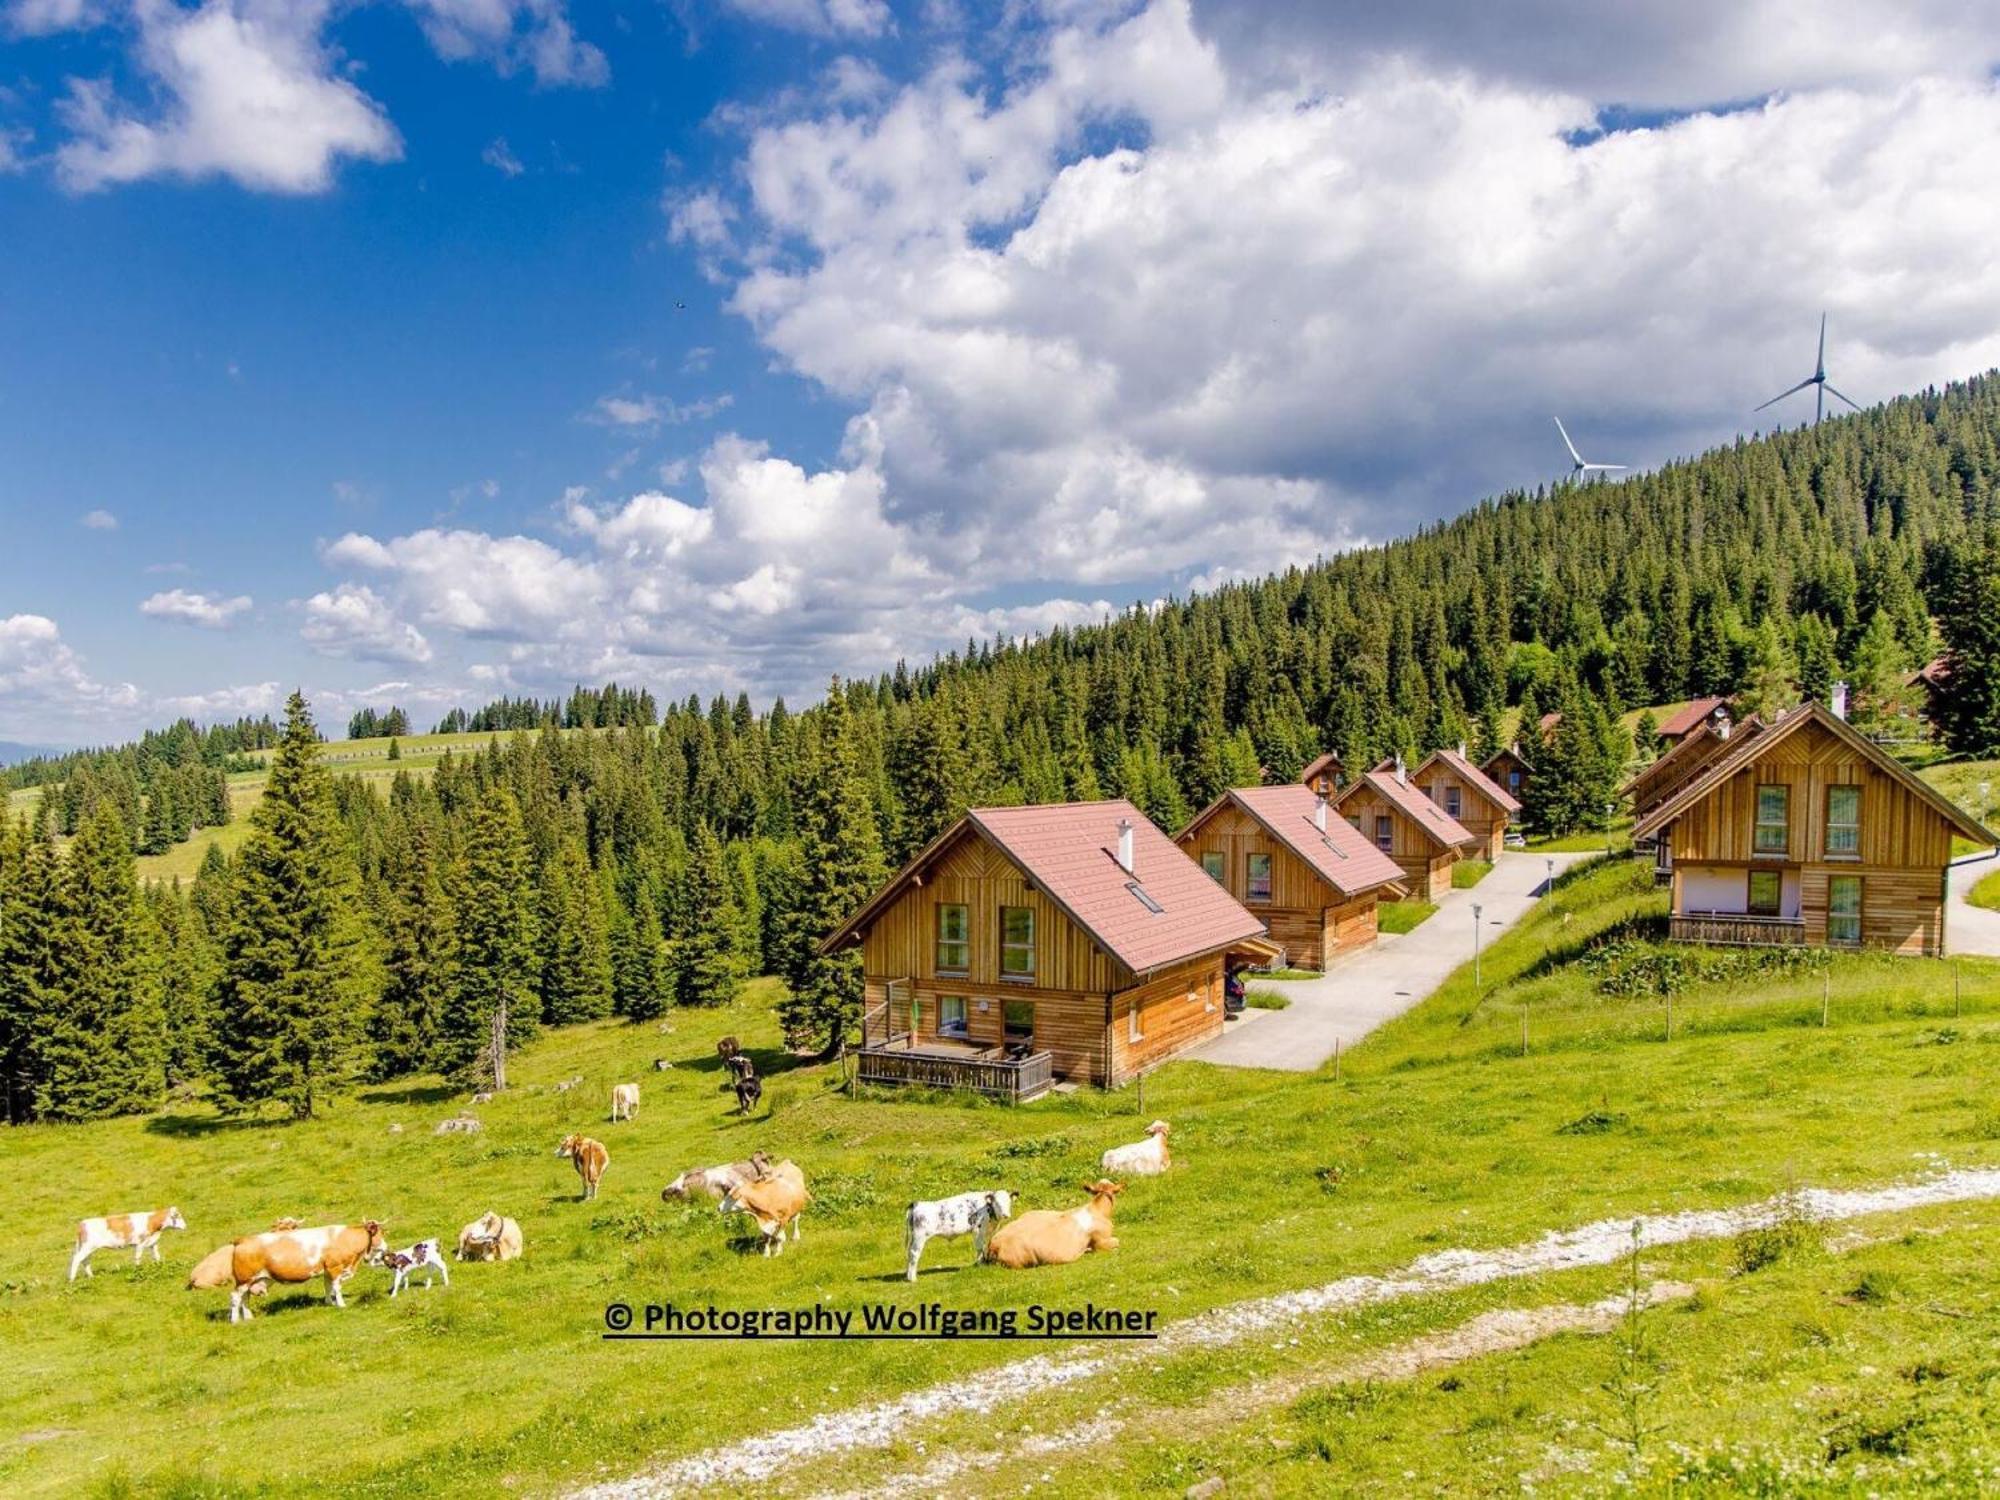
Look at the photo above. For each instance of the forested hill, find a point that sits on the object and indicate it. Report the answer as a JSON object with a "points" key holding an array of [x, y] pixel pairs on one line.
{"points": [[548, 877]]}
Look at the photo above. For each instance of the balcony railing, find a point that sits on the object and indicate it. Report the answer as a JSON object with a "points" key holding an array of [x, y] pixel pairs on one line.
{"points": [[1736, 929], [939, 1065]]}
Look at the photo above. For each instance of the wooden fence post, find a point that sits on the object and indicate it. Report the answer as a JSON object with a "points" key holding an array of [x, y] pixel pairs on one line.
{"points": [[1670, 1015], [1825, 994], [1957, 997], [1142, 1093], [1336, 1059], [1524, 1031]]}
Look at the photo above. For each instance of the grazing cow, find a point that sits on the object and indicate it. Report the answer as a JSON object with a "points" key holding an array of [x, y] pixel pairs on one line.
{"points": [[714, 1181], [1147, 1158], [135, 1232], [298, 1255], [624, 1101], [424, 1256], [590, 1159], [727, 1048], [976, 1214], [773, 1202], [748, 1092], [213, 1272], [1047, 1237], [490, 1237]]}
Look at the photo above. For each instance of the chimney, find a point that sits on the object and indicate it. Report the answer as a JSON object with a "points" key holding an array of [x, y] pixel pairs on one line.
{"points": [[1722, 725], [1319, 812], [1840, 700], [1125, 845], [1402, 771], [1461, 749]]}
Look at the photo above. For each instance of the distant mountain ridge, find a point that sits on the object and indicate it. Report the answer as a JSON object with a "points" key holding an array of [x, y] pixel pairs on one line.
{"points": [[13, 752]]}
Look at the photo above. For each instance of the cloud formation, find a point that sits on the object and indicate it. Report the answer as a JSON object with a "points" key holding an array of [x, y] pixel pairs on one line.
{"points": [[209, 611], [98, 520]]}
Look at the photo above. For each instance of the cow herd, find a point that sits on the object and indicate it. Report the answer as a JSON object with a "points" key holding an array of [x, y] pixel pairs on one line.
{"points": [[773, 1195]]}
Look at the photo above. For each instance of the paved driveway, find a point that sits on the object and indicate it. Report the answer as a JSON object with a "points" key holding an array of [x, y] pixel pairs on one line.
{"points": [[1969, 929], [1385, 979]]}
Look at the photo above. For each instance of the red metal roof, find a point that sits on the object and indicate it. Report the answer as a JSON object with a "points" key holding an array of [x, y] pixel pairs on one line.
{"points": [[1070, 850], [1475, 778], [1426, 814], [1348, 862], [1689, 716], [1322, 765]]}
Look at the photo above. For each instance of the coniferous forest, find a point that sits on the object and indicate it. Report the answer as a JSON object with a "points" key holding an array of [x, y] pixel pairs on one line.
{"points": [[603, 856]]}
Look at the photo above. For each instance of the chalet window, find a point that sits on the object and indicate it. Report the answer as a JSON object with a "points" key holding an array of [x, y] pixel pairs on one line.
{"points": [[1843, 820], [1773, 831], [954, 938], [1257, 885], [1132, 1031], [1385, 833], [1451, 802], [1514, 780], [1018, 1016], [1017, 942], [1767, 888], [1843, 910], [951, 1016], [1212, 862]]}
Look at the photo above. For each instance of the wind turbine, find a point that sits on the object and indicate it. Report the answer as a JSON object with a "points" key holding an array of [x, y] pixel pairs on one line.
{"points": [[1577, 465], [1817, 378]]}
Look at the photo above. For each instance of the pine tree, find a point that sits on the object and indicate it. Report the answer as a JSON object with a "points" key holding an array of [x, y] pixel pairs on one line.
{"points": [[492, 1006], [184, 971], [297, 964], [1967, 705], [841, 854], [420, 944], [1877, 673], [30, 975], [576, 951], [639, 979], [704, 968]]}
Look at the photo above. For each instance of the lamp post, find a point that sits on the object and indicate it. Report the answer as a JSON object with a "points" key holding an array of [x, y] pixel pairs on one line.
{"points": [[1476, 909], [1549, 886], [1609, 808]]}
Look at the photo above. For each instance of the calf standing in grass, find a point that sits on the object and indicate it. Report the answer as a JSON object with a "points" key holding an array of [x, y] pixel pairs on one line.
{"points": [[624, 1101], [1046, 1237], [590, 1159], [1147, 1158], [136, 1232], [422, 1256], [976, 1214]]}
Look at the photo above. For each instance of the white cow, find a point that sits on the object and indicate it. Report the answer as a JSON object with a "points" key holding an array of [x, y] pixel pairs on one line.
{"points": [[1147, 1158], [975, 1214], [137, 1232], [624, 1101]]}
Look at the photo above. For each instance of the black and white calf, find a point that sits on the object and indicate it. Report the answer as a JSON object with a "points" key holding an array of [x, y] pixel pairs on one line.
{"points": [[424, 1256], [975, 1214]]}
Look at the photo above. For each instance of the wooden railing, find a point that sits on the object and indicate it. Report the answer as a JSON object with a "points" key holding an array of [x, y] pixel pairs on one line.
{"points": [[1017, 1082], [1736, 929]]}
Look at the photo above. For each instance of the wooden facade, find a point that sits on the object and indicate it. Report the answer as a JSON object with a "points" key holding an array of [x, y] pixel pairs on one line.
{"points": [[1508, 770], [1323, 775], [957, 1011], [1464, 799], [1305, 914], [1803, 832], [1425, 863]]}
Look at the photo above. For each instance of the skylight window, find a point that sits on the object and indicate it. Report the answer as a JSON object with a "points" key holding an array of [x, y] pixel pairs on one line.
{"points": [[1144, 900]]}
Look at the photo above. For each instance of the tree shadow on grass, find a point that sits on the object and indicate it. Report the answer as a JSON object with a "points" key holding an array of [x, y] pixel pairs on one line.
{"points": [[194, 1127], [413, 1094]]}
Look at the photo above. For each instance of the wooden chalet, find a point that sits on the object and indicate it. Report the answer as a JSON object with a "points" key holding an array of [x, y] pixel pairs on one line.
{"points": [[1323, 775], [1691, 716], [1802, 831], [1422, 838], [1677, 767], [1312, 878], [1030, 944], [1469, 796], [1509, 770]]}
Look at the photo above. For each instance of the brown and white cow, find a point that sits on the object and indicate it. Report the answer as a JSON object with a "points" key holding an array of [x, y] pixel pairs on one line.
{"points": [[135, 1232], [590, 1159], [298, 1255], [1055, 1237]]}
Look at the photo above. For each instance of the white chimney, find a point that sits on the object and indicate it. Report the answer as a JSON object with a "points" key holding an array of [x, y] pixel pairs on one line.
{"points": [[1125, 845], [1840, 700], [1722, 723], [1461, 749], [1319, 812], [1402, 771]]}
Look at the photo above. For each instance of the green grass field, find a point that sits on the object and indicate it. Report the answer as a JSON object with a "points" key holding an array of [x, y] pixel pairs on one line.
{"points": [[1403, 916], [1467, 873], [1438, 1134]]}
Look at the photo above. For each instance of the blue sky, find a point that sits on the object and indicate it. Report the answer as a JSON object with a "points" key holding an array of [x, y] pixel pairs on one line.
{"points": [[423, 351]]}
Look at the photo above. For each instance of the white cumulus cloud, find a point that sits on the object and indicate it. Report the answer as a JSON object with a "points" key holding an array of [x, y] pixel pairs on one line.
{"points": [[209, 611]]}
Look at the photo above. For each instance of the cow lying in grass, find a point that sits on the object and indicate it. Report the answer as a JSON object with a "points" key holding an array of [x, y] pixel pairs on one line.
{"points": [[774, 1201], [1147, 1158], [976, 1214], [293, 1256], [589, 1158], [135, 1232], [490, 1237], [422, 1256], [712, 1181], [1051, 1237]]}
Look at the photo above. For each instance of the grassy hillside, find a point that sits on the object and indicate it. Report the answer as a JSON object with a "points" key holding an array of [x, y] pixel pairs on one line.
{"points": [[1438, 1133]]}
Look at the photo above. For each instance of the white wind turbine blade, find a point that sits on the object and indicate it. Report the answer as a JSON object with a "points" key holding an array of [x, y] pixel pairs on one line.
{"points": [[1820, 368], [1809, 380], [1576, 456], [1832, 392], [1607, 468]]}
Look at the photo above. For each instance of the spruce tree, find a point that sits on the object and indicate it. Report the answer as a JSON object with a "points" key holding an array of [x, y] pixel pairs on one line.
{"points": [[297, 966], [704, 967], [639, 980], [492, 1006], [576, 950], [420, 944], [30, 976], [841, 858], [1968, 700]]}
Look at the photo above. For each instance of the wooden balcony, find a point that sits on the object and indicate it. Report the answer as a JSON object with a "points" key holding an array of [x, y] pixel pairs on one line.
{"points": [[1736, 930], [943, 1064]]}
